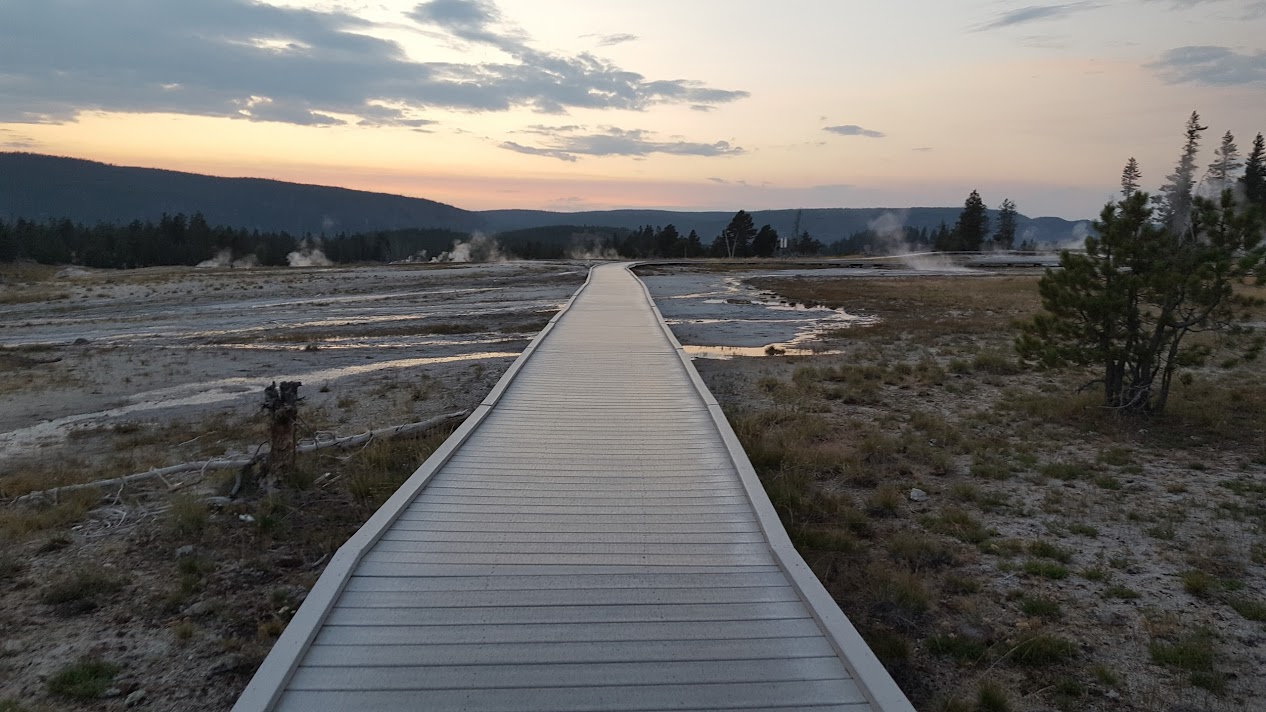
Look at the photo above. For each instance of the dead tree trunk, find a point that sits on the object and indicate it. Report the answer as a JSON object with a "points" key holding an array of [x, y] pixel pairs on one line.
{"points": [[282, 405]]}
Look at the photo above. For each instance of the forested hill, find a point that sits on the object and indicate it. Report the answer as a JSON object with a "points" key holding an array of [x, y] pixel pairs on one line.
{"points": [[826, 224], [38, 187]]}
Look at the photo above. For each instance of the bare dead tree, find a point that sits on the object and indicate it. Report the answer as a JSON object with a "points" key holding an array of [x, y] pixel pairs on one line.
{"points": [[282, 405]]}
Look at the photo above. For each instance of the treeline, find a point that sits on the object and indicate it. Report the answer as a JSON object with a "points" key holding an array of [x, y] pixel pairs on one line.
{"points": [[185, 240], [174, 240]]}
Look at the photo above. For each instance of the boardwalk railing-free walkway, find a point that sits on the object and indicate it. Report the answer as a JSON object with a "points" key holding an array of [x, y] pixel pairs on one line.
{"points": [[592, 538]]}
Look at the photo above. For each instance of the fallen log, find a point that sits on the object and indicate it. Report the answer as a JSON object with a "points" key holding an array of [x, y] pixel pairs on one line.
{"points": [[395, 431]]}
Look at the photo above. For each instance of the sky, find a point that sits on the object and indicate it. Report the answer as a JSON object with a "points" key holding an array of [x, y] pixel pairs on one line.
{"points": [[676, 104]]}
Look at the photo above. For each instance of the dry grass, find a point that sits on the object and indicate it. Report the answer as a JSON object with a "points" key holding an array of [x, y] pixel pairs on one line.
{"points": [[1030, 485], [917, 306], [24, 522]]}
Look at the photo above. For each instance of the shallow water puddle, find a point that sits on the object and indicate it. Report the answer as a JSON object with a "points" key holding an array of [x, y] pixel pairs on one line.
{"points": [[218, 391], [724, 353]]}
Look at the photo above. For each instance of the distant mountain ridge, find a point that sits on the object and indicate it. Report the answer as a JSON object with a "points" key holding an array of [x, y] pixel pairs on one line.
{"points": [[39, 187]]}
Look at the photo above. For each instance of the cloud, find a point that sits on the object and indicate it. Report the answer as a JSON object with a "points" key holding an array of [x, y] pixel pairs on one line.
{"points": [[613, 40], [1248, 11], [854, 130], [253, 61], [1215, 66], [619, 142], [922, 149], [545, 130], [702, 107], [13, 140], [534, 151], [1036, 13], [1045, 41]]}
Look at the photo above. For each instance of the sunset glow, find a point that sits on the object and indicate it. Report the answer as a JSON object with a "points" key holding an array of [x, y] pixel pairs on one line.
{"points": [[569, 105]]}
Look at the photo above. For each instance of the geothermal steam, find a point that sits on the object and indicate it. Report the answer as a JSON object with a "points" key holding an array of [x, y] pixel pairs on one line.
{"points": [[309, 254]]}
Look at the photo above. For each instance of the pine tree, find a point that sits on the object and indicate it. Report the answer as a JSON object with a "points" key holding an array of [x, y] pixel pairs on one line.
{"points": [[1127, 303], [1255, 174], [1226, 164], [943, 239], [666, 241], [973, 224], [807, 244], [1130, 177], [765, 242], [1174, 200], [738, 235], [693, 246], [1004, 239]]}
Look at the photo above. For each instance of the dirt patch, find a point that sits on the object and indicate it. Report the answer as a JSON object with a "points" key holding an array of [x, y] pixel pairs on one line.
{"points": [[168, 598], [1000, 540]]}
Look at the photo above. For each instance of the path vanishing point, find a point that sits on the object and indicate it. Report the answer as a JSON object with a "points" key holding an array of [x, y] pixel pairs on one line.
{"points": [[593, 537]]}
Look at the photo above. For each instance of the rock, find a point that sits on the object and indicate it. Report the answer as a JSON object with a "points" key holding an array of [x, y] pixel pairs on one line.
{"points": [[186, 550], [112, 692], [246, 518], [11, 647], [135, 698], [977, 632], [81, 341], [1112, 695], [201, 608], [1111, 618], [918, 495], [226, 663]]}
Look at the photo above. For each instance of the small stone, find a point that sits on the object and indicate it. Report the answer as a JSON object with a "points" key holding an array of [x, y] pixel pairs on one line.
{"points": [[246, 518], [112, 692], [135, 698], [1111, 618], [11, 647], [201, 608], [918, 495], [81, 341], [186, 550], [1112, 695], [226, 663]]}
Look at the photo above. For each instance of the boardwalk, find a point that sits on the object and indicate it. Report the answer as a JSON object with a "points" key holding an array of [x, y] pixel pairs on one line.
{"points": [[592, 538]]}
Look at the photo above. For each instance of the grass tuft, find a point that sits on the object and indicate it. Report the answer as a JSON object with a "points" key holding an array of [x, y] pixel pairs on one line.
{"points": [[1039, 607], [85, 680], [1041, 650], [81, 591], [1045, 569]]}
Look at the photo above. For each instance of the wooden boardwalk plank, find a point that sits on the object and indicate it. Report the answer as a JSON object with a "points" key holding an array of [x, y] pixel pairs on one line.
{"points": [[592, 538]]}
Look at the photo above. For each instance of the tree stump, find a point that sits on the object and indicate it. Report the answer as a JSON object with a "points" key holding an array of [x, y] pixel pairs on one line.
{"points": [[282, 405]]}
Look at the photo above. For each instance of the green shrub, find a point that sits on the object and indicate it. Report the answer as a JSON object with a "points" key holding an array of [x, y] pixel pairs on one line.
{"points": [[1121, 592], [1193, 652], [87, 679], [1250, 609], [1040, 607], [992, 697], [80, 591], [1047, 550], [1198, 583], [1045, 569]]}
